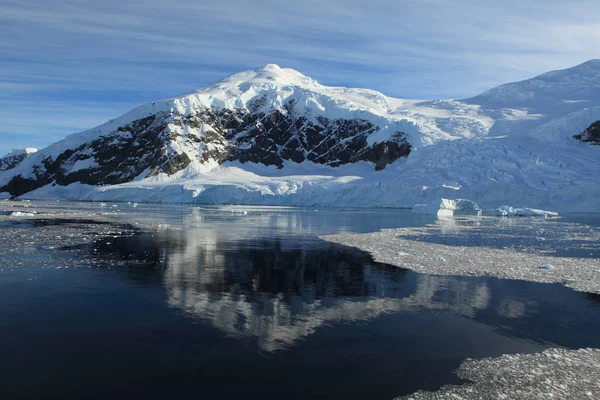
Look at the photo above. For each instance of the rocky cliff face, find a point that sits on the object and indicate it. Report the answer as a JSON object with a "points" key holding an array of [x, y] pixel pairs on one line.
{"points": [[285, 135], [9, 162], [591, 134]]}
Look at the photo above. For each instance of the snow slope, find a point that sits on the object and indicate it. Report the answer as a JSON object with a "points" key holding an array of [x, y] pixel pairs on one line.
{"points": [[510, 145]]}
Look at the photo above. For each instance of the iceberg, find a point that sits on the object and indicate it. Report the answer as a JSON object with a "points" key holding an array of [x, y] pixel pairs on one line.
{"points": [[448, 207], [22, 214]]}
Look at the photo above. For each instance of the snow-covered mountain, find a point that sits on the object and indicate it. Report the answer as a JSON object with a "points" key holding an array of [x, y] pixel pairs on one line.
{"points": [[14, 158], [275, 136]]}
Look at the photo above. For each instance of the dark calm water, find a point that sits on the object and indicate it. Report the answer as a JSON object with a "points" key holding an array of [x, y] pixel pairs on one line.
{"points": [[218, 304]]}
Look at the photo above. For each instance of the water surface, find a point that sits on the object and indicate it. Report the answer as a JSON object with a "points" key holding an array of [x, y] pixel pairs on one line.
{"points": [[209, 302]]}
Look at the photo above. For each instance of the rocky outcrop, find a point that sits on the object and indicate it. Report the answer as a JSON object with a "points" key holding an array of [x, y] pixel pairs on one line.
{"points": [[141, 146], [167, 142], [271, 139], [591, 134]]}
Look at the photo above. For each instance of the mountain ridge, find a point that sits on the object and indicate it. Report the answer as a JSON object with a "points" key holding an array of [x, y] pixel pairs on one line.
{"points": [[280, 118]]}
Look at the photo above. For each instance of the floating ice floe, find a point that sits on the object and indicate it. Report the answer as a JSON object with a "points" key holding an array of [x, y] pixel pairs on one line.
{"points": [[553, 373], [22, 214], [448, 207], [508, 211]]}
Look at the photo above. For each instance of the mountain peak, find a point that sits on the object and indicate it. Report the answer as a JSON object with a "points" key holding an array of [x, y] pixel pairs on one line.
{"points": [[271, 67], [594, 62], [587, 69], [269, 75], [580, 83]]}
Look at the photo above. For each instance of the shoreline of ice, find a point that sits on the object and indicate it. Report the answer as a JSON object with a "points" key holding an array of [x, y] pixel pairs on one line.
{"points": [[553, 373]]}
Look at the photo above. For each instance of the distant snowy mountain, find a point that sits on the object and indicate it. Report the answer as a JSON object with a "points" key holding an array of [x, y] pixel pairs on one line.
{"points": [[541, 99], [14, 158], [274, 136], [580, 84]]}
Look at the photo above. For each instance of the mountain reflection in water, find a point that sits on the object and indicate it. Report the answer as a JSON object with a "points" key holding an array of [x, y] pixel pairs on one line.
{"points": [[217, 301], [277, 290]]}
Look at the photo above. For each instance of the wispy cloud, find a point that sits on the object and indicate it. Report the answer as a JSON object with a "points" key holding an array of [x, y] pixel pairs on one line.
{"points": [[99, 59]]}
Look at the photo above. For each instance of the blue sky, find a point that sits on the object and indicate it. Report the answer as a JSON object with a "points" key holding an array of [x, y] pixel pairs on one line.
{"points": [[69, 65]]}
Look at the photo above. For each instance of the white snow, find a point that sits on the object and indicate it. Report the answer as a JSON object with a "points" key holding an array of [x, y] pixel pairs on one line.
{"points": [[510, 145], [84, 164]]}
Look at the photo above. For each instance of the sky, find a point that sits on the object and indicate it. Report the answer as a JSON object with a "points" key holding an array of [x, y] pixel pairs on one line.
{"points": [[70, 65]]}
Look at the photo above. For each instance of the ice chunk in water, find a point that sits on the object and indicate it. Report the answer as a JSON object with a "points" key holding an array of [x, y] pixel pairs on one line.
{"points": [[448, 207], [22, 214]]}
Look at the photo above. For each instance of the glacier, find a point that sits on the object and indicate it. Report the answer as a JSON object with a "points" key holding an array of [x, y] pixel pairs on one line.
{"points": [[514, 144]]}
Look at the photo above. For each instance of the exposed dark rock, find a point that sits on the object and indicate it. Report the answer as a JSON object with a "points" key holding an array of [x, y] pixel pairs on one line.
{"points": [[282, 135], [591, 134], [168, 143], [118, 157]]}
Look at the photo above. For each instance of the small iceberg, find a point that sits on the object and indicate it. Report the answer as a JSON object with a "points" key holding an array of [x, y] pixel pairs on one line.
{"points": [[508, 211], [22, 214], [448, 207]]}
